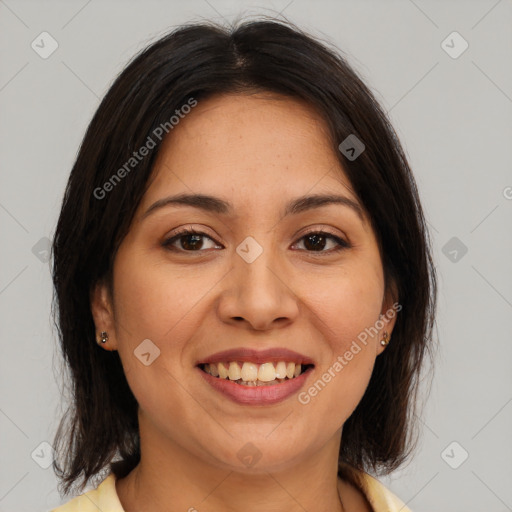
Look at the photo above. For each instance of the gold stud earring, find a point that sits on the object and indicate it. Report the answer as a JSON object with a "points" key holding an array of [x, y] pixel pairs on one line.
{"points": [[385, 340]]}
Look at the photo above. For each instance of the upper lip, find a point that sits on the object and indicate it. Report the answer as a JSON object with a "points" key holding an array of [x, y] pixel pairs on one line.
{"points": [[269, 355]]}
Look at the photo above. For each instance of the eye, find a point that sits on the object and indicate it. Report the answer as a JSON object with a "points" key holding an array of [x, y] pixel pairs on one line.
{"points": [[193, 241], [190, 240], [316, 241]]}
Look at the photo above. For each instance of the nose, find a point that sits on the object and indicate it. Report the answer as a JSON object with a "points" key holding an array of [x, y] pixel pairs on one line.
{"points": [[258, 294]]}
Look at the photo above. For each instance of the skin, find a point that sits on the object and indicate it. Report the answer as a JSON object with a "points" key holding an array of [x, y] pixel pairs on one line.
{"points": [[258, 152]]}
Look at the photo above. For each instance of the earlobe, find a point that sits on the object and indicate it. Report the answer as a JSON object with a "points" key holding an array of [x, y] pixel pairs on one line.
{"points": [[384, 342], [389, 311], [385, 339], [103, 316]]}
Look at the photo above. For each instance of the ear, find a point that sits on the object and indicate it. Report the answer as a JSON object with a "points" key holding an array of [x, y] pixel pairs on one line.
{"points": [[103, 314], [390, 309]]}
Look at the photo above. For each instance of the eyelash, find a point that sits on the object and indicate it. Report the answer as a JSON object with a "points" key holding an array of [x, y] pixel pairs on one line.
{"points": [[342, 244]]}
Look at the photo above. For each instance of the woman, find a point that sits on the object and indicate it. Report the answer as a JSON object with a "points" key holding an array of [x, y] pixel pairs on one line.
{"points": [[244, 283]]}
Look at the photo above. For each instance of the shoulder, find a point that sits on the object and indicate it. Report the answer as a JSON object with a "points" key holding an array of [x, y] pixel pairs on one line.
{"points": [[103, 498], [381, 498], [378, 496]]}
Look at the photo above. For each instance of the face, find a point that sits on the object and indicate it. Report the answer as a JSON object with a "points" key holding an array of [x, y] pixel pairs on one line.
{"points": [[258, 275]]}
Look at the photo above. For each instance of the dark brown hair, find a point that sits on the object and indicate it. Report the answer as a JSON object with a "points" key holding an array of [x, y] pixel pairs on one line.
{"points": [[99, 432]]}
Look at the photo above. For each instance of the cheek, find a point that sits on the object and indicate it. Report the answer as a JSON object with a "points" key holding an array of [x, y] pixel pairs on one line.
{"points": [[345, 308], [347, 303], [157, 302], [139, 301], [150, 318], [149, 298]]}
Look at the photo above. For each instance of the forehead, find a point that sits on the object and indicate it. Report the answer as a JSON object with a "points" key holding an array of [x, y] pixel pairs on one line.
{"points": [[250, 146]]}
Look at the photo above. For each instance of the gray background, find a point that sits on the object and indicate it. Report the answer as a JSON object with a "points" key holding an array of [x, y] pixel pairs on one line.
{"points": [[454, 118]]}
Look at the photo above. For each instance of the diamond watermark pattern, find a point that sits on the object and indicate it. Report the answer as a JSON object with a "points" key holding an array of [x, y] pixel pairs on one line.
{"points": [[454, 45], [43, 455], [249, 249], [351, 147], [454, 250], [249, 455], [147, 352], [454, 455], [41, 249], [44, 45]]}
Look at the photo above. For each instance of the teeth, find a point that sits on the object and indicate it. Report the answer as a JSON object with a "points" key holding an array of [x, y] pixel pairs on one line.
{"points": [[290, 369], [223, 371], [249, 372], [267, 372], [281, 370], [252, 374], [234, 371]]}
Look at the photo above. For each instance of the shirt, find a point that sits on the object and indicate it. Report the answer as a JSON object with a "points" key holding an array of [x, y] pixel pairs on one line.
{"points": [[105, 497]]}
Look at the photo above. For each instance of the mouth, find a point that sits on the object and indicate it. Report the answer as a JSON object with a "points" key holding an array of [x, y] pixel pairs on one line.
{"points": [[252, 374], [256, 377]]}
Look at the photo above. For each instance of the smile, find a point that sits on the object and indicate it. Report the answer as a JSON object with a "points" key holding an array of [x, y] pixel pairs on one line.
{"points": [[240, 382], [254, 374]]}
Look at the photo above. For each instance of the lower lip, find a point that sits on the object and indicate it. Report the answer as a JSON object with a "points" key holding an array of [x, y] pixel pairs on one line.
{"points": [[257, 395]]}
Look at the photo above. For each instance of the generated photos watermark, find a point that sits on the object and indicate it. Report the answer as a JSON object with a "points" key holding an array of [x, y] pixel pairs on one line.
{"points": [[137, 156], [343, 360]]}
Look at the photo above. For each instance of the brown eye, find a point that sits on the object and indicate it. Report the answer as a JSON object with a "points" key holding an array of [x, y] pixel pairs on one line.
{"points": [[194, 241], [316, 241], [188, 239]]}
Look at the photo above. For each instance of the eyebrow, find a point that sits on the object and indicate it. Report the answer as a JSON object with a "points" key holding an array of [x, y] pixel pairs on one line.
{"points": [[216, 205]]}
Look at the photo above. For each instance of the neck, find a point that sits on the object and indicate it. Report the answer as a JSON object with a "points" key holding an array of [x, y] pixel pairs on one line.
{"points": [[170, 477]]}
